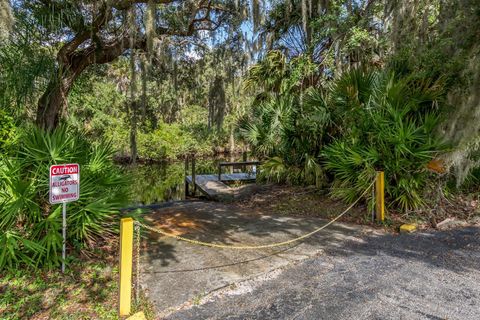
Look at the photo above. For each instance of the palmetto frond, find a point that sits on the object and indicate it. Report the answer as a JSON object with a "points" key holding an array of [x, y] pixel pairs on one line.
{"points": [[389, 127], [30, 227], [268, 74]]}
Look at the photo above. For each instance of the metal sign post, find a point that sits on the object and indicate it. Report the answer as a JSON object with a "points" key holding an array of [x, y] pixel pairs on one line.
{"points": [[64, 187], [64, 234]]}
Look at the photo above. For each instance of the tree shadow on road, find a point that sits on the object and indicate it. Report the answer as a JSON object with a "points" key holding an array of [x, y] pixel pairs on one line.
{"points": [[190, 270], [224, 224], [457, 250]]}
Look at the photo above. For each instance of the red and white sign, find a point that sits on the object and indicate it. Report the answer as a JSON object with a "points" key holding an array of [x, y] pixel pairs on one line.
{"points": [[64, 183]]}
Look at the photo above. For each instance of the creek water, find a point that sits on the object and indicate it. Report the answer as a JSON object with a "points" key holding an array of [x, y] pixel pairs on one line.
{"points": [[165, 181]]}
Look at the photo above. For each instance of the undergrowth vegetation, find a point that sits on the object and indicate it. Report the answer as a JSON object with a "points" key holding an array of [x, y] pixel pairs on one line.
{"points": [[387, 124], [30, 226], [366, 120], [87, 290], [325, 94], [353, 87]]}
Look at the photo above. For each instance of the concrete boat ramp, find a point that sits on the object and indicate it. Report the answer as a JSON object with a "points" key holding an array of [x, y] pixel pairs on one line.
{"points": [[177, 275]]}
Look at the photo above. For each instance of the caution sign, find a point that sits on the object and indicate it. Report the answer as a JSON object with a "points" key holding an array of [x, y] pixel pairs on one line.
{"points": [[64, 183]]}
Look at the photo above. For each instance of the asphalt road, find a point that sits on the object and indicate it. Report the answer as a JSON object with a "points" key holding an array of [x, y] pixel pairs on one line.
{"points": [[175, 273], [420, 276]]}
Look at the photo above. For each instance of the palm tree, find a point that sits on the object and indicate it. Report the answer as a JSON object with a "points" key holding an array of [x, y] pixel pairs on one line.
{"points": [[122, 71]]}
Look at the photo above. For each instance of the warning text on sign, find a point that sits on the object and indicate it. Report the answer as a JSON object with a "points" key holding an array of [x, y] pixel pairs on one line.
{"points": [[64, 183]]}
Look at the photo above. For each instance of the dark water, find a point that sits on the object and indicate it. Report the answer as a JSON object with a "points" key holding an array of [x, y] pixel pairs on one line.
{"points": [[161, 182]]}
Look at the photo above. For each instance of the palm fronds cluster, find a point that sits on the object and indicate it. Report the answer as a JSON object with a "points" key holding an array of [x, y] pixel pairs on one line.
{"points": [[366, 120], [30, 227]]}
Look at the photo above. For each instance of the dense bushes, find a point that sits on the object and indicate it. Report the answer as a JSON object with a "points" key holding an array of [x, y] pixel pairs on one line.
{"points": [[168, 141], [30, 228], [425, 89], [387, 124], [343, 133], [286, 126], [7, 131]]}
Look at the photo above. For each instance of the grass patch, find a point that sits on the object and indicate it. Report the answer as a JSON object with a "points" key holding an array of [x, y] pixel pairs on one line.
{"points": [[87, 290]]}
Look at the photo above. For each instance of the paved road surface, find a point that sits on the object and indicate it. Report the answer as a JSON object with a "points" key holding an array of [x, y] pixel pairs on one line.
{"points": [[176, 273], [421, 276]]}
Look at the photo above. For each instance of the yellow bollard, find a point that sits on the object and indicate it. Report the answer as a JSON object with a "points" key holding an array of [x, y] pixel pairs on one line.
{"points": [[380, 196], [126, 255]]}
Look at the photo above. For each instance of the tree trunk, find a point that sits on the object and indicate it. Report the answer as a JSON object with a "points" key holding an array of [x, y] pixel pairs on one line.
{"points": [[232, 141], [133, 132], [93, 38], [133, 140], [53, 102], [52, 105]]}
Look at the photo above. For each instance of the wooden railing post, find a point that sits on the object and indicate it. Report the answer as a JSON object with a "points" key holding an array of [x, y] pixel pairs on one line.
{"points": [[193, 175], [126, 256], [186, 174], [244, 159], [219, 172], [380, 196]]}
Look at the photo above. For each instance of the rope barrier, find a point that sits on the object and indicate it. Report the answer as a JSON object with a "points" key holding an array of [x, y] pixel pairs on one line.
{"points": [[250, 247]]}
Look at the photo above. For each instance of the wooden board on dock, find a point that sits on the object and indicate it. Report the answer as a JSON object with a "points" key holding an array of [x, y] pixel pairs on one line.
{"points": [[209, 184]]}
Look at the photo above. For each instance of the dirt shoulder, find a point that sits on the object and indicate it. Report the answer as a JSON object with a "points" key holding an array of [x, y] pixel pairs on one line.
{"points": [[285, 200]]}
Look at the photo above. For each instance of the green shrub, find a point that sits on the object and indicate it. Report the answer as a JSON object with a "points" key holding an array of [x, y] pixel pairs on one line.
{"points": [[275, 169], [30, 227], [7, 132], [168, 141], [387, 123]]}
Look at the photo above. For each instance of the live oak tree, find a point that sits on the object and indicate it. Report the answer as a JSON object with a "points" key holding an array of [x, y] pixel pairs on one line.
{"points": [[99, 31]]}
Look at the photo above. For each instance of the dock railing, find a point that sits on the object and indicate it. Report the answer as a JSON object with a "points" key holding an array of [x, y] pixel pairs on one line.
{"points": [[242, 164], [192, 180]]}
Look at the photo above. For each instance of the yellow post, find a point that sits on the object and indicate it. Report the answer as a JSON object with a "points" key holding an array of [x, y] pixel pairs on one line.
{"points": [[126, 255], [380, 196]]}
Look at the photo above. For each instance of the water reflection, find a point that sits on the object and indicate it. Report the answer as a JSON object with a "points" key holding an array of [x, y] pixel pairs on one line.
{"points": [[161, 182]]}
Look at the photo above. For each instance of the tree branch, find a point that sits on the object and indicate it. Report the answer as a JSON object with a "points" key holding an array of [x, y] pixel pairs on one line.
{"points": [[100, 52], [104, 15], [127, 4]]}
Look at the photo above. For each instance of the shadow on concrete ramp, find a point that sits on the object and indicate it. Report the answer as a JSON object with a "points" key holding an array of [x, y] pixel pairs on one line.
{"points": [[175, 273]]}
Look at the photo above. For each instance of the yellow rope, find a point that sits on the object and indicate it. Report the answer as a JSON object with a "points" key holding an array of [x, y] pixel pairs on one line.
{"points": [[246, 247]]}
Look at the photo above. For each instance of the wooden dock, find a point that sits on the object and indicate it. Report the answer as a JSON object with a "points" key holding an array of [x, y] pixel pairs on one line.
{"points": [[217, 186], [214, 189]]}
